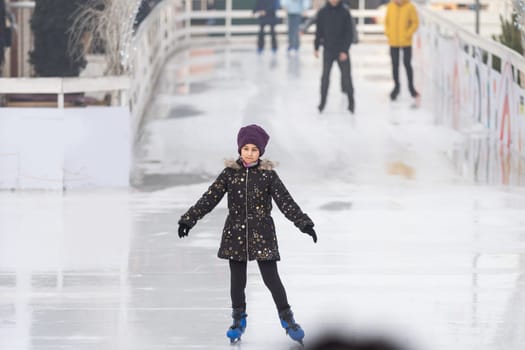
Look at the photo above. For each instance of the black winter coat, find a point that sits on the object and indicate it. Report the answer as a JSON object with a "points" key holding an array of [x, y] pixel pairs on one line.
{"points": [[3, 32], [270, 7], [334, 28], [249, 231]]}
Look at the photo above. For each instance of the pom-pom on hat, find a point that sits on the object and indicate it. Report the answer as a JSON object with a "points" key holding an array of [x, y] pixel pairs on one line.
{"points": [[252, 134]]}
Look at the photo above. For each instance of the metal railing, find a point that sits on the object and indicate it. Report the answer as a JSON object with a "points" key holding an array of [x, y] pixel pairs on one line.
{"points": [[471, 39], [476, 84], [174, 25], [170, 28], [63, 86]]}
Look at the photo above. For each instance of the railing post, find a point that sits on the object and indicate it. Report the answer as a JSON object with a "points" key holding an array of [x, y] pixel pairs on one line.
{"points": [[361, 8], [123, 98], [229, 11], [61, 100], [188, 10], [478, 8]]}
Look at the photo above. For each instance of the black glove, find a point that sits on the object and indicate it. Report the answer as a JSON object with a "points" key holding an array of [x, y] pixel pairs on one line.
{"points": [[183, 230], [309, 230]]}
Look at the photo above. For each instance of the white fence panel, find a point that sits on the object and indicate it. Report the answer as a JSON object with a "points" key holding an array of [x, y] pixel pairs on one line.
{"points": [[468, 94]]}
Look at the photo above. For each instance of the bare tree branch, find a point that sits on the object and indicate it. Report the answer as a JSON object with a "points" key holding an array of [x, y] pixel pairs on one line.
{"points": [[107, 24]]}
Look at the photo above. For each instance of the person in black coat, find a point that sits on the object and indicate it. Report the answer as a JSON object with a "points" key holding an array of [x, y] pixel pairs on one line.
{"points": [[266, 10], [249, 232], [312, 20], [355, 35], [3, 33], [334, 33]]}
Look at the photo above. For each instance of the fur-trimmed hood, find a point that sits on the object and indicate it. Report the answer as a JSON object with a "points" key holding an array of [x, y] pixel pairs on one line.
{"points": [[264, 164]]}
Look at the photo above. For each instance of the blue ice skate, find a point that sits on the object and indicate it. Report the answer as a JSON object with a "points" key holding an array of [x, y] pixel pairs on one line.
{"points": [[239, 325], [293, 329]]}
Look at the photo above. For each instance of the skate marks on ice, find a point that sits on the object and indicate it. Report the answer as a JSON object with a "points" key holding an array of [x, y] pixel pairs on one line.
{"points": [[337, 206]]}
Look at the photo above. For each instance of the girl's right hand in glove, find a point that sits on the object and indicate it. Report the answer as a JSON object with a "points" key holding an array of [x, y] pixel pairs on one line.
{"points": [[183, 230]]}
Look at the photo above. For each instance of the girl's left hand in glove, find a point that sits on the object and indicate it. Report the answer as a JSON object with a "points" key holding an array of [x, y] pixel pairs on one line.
{"points": [[309, 230]]}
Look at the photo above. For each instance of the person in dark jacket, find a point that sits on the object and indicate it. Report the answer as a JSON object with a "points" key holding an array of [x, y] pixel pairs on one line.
{"points": [[249, 232], [334, 33], [355, 35], [3, 33], [312, 20], [266, 10]]}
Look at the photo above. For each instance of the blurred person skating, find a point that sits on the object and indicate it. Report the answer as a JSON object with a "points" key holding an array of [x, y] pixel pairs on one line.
{"points": [[312, 20], [249, 232], [401, 22], [3, 33], [266, 11], [355, 37], [295, 10], [334, 33]]}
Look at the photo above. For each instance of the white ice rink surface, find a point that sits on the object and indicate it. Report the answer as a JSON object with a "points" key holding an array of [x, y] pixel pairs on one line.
{"points": [[407, 247]]}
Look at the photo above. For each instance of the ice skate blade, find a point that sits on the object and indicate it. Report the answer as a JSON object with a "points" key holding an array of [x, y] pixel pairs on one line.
{"points": [[234, 341], [298, 345]]}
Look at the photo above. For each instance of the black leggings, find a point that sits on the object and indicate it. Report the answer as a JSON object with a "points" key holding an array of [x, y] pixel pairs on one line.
{"points": [[270, 277]]}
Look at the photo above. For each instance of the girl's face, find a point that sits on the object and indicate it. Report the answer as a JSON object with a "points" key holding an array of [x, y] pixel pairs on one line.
{"points": [[249, 153]]}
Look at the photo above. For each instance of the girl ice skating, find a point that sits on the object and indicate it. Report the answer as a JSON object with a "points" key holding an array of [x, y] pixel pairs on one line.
{"points": [[249, 232]]}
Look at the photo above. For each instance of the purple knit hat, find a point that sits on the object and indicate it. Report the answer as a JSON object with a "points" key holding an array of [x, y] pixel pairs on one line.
{"points": [[253, 134]]}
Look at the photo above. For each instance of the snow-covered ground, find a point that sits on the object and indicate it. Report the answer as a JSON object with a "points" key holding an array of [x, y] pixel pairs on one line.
{"points": [[407, 247]]}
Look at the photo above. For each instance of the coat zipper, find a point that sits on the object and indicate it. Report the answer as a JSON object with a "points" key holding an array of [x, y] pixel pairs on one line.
{"points": [[246, 195]]}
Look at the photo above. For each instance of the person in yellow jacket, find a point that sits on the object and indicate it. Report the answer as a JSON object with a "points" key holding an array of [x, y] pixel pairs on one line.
{"points": [[401, 22]]}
